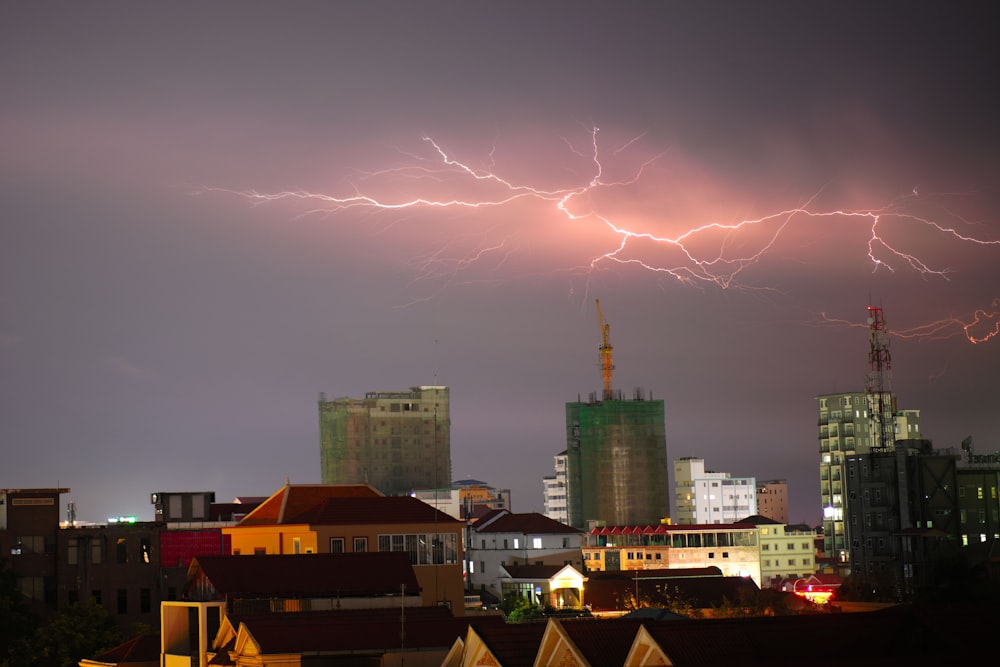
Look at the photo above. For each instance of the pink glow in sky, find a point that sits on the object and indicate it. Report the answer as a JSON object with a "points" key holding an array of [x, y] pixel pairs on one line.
{"points": [[761, 174]]}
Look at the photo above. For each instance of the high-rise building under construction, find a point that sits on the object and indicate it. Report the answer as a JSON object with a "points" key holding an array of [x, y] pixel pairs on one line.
{"points": [[616, 462], [616, 454], [396, 441]]}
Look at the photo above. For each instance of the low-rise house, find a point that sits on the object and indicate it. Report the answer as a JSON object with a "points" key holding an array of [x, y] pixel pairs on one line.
{"points": [[502, 538], [544, 585], [355, 518]]}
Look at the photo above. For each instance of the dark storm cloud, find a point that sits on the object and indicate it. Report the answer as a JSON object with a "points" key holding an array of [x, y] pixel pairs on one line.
{"points": [[157, 336]]}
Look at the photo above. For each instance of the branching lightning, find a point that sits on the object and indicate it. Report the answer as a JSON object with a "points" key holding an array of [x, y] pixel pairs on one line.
{"points": [[714, 254]]}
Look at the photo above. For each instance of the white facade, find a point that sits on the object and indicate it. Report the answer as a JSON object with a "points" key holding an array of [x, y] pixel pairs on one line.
{"points": [[711, 497], [554, 491], [520, 539]]}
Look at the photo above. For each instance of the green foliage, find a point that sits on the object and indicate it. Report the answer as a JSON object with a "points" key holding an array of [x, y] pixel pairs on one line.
{"points": [[17, 625], [518, 609], [662, 597], [80, 631], [765, 602]]}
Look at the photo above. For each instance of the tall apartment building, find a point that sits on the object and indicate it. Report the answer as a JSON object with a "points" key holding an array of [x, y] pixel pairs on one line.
{"points": [[905, 505], [554, 491], [772, 500], [847, 427], [705, 497], [395, 441], [616, 462]]}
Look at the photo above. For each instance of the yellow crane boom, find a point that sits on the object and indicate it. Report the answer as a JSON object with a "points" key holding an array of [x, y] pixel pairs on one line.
{"points": [[607, 363]]}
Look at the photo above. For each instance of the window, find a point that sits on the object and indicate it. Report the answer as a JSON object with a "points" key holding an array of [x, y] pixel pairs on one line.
{"points": [[71, 550], [565, 540], [122, 601], [144, 548], [536, 543], [482, 566], [121, 551], [96, 596], [979, 493], [95, 550], [805, 546], [360, 545], [765, 547], [791, 561], [145, 601], [336, 545], [517, 543], [790, 547], [484, 544], [423, 548], [505, 544], [259, 551], [296, 545]]}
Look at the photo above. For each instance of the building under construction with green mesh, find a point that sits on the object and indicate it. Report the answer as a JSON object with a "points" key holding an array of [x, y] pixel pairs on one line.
{"points": [[616, 467], [396, 441]]}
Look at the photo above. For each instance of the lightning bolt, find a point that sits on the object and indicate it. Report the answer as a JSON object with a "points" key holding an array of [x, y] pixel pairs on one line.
{"points": [[712, 254]]}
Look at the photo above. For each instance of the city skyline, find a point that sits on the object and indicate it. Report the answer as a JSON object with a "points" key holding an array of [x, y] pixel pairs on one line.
{"points": [[213, 213]]}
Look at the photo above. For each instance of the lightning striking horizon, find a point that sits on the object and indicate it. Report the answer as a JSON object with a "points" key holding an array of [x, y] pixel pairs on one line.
{"points": [[710, 254]]}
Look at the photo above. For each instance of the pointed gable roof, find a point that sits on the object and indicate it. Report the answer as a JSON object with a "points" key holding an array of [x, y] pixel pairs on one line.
{"points": [[292, 500], [142, 649], [602, 642], [513, 645], [355, 630]]}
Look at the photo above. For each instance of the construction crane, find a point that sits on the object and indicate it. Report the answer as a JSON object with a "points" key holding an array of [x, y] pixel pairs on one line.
{"points": [[607, 364]]}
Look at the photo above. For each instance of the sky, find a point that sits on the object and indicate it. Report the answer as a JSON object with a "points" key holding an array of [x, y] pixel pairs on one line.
{"points": [[212, 212]]}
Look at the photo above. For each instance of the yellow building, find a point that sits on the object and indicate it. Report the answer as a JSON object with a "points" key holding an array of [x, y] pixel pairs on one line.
{"points": [[730, 547], [325, 518]]}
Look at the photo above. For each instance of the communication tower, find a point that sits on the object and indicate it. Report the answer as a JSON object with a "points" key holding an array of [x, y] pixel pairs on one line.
{"points": [[878, 382]]}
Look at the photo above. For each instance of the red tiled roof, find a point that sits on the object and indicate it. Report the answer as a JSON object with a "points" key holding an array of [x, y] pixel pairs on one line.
{"points": [[533, 572], [309, 575], [374, 511], [294, 500], [513, 645], [668, 528], [531, 523], [357, 630], [602, 643], [144, 648]]}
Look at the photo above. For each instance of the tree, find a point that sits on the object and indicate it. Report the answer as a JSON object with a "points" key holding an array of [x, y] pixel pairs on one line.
{"points": [[80, 631], [17, 624]]}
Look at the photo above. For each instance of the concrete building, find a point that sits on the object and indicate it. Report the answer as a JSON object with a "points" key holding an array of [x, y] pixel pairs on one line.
{"points": [[502, 539], [554, 491], [733, 548], [395, 441], [847, 427], [29, 527], [772, 500], [914, 501], [616, 461], [705, 497], [324, 518], [786, 552], [466, 498]]}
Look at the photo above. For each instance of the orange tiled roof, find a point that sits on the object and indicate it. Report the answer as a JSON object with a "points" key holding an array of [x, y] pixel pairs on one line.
{"points": [[292, 500]]}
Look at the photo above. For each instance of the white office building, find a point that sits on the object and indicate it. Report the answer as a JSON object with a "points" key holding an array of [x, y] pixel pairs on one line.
{"points": [[706, 497]]}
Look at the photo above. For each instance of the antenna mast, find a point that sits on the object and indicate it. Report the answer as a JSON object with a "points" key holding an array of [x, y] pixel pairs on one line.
{"points": [[606, 350], [877, 382]]}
